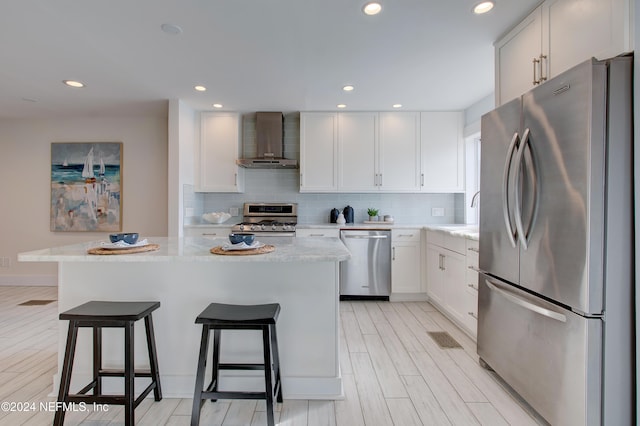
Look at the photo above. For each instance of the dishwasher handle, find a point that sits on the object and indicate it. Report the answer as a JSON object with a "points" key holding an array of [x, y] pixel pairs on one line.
{"points": [[367, 237]]}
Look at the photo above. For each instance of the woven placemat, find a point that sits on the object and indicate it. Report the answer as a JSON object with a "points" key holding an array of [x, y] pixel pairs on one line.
{"points": [[268, 248], [129, 250]]}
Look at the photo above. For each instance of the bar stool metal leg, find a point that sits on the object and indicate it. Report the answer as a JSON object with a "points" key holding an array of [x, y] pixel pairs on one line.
{"points": [[153, 356], [129, 397], [276, 361], [215, 366], [97, 360], [67, 366], [266, 340], [202, 364]]}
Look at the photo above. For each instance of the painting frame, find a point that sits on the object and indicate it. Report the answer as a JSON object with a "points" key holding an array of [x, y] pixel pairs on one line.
{"points": [[86, 186]]}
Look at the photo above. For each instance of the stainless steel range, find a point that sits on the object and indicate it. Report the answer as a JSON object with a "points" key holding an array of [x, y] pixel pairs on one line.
{"points": [[269, 219]]}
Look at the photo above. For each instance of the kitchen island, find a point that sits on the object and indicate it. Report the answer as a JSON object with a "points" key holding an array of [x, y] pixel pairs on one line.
{"points": [[302, 275]]}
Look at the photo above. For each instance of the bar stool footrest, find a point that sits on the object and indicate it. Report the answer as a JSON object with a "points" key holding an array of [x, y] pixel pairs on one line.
{"points": [[233, 395], [109, 399], [108, 372], [240, 366]]}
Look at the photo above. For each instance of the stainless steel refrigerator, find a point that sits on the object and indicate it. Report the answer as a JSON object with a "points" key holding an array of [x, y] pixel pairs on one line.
{"points": [[556, 301]]}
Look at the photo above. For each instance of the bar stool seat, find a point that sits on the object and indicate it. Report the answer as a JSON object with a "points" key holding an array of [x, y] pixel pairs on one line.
{"points": [[217, 317], [96, 315]]}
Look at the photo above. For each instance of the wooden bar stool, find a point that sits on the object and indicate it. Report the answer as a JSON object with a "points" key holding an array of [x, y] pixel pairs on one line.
{"points": [[97, 315], [218, 317]]}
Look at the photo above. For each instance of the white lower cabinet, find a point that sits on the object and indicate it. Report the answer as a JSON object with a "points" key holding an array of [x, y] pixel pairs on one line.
{"points": [[406, 255], [211, 232], [448, 279], [471, 291]]}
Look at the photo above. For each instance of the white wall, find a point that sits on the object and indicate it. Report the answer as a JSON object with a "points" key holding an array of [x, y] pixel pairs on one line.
{"points": [[474, 113], [182, 137], [25, 173]]}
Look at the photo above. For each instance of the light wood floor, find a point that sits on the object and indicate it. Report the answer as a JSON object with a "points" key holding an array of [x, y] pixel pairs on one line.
{"points": [[393, 374]]}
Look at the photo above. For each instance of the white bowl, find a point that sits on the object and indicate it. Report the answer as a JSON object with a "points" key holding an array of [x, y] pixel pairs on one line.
{"points": [[216, 217]]}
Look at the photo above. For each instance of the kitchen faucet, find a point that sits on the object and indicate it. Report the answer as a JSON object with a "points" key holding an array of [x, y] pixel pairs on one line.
{"points": [[475, 199]]}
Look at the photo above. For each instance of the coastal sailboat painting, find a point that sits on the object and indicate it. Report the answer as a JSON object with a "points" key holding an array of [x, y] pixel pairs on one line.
{"points": [[86, 184]]}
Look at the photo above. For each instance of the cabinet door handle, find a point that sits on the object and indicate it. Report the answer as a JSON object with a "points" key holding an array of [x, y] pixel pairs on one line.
{"points": [[393, 257], [380, 179], [300, 179], [405, 235], [473, 249], [209, 234], [316, 235], [473, 287], [472, 314], [235, 179], [421, 179], [542, 77], [474, 268]]}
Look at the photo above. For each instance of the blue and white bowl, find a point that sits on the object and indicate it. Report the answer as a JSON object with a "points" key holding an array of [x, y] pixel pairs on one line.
{"points": [[129, 238], [242, 237]]}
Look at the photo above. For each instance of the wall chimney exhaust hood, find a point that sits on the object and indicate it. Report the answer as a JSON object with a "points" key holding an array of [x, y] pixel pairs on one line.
{"points": [[270, 144]]}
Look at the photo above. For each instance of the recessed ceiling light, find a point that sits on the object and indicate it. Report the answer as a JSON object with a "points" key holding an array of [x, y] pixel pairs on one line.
{"points": [[483, 7], [73, 83], [372, 8], [341, 106], [217, 105], [200, 88], [171, 29], [397, 105], [348, 88]]}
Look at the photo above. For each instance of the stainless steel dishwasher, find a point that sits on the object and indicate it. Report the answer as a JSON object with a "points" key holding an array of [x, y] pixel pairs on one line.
{"points": [[368, 273]]}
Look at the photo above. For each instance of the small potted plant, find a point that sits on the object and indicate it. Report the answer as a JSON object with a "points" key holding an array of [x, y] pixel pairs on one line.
{"points": [[373, 214]]}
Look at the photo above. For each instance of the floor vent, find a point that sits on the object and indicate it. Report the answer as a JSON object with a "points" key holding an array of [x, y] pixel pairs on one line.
{"points": [[36, 302], [444, 339]]}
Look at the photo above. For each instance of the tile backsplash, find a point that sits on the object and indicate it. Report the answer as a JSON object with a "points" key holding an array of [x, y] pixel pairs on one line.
{"points": [[283, 186]]}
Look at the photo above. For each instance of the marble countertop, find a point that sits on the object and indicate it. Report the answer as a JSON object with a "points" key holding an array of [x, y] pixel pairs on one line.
{"points": [[470, 232], [196, 249], [459, 230]]}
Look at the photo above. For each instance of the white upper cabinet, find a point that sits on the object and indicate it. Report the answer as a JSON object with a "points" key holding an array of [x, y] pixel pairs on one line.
{"points": [[399, 152], [218, 151], [442, 152], [575, 30], [381, 152], [556, 36], [515, 55], [357, 146], [318, 152]]}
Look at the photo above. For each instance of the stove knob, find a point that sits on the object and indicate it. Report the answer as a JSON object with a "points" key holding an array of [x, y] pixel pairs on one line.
{"points": [[273, 227], [253, 227], [242, 228], [262, 227]]}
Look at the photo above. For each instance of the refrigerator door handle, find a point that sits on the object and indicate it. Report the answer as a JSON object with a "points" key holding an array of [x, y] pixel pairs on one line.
{"points": [[518, 212], [505, 190], [525, 303]]}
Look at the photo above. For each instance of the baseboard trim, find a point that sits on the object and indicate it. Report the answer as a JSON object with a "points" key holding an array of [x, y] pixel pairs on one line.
{"points": [[29, 280]]}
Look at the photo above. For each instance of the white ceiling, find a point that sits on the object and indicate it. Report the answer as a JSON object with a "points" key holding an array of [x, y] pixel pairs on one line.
{"points": [[252, 55]]}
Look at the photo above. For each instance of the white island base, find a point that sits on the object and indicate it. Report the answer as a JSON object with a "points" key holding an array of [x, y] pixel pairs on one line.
{"points": [[185, 280]]}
